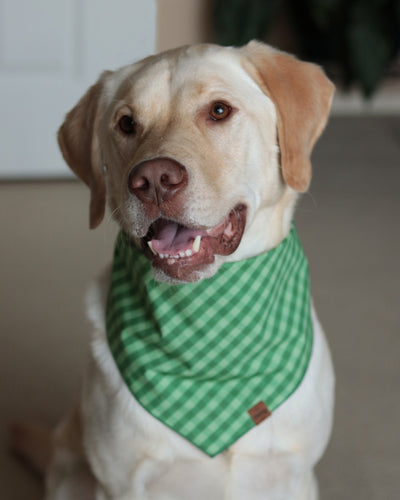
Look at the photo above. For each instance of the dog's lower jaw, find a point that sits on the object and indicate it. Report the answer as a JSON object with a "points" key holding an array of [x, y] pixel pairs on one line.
{"points": [[206, 272]]}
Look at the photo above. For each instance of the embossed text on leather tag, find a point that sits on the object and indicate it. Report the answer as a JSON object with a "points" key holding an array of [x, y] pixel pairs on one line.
{"points": [[259, 412]]}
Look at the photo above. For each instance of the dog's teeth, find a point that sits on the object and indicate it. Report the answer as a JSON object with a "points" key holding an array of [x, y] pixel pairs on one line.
{"points": [[196, 243], [162, 255], [151, 247], [188, 253], [181, 254]]}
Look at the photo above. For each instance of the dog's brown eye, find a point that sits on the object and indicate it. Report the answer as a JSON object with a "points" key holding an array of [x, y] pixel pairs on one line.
{"points": [[127, 124], [220, 111]]}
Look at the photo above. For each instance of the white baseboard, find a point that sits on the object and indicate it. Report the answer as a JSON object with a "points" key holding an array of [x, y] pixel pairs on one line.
{"points": [[385, 101]]}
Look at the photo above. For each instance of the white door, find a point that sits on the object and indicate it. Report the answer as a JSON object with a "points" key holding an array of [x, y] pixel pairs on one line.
{"points": [[50, 52]]}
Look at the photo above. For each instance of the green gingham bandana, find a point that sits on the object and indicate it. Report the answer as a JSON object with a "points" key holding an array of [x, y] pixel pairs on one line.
{"points": [[213, 358]]}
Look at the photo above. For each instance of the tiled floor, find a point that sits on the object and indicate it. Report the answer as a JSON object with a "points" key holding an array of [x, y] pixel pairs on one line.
{"points": [[349, 224]]}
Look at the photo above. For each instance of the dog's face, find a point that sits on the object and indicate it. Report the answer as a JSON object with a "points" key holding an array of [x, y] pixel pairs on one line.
{"points": [[199, 151]]}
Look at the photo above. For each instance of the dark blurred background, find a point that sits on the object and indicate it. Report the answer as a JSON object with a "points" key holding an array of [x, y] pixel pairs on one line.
{"points": [[357, 41]]}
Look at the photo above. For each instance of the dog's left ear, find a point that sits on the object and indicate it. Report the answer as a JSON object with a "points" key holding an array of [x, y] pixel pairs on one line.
{"points": [[302, 95], [79, 144]]}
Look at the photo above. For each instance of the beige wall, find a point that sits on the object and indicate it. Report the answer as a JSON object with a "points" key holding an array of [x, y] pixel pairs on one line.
{"points": [[182, 22]]}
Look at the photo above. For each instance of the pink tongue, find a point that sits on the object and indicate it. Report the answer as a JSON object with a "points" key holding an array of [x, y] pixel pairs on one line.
{"points": [[171, 237]]}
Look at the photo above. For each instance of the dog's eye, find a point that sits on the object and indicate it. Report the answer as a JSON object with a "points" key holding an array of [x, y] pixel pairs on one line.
{"points": [[127, 125], [220, 111]]}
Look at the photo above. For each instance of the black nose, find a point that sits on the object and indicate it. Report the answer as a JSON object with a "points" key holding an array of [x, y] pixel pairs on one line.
{"points": [[158, 180]]}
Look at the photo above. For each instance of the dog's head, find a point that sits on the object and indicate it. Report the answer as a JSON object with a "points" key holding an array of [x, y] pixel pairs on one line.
{"points": [[199, 151]]}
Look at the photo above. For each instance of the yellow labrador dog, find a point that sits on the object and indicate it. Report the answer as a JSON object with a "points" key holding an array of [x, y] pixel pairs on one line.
{"points": [[200, 153]]}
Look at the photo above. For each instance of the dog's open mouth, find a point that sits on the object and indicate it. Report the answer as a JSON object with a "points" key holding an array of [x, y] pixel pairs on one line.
{"points": [[179, 251]]}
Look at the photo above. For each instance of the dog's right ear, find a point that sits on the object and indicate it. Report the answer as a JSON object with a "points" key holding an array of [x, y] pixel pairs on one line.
{"points": [[79, 144]]}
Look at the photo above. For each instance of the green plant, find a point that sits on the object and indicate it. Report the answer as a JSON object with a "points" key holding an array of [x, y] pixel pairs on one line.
{"points": [[361, 37]]}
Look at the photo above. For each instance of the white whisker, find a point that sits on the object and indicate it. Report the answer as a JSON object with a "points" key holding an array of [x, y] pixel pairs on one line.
{"points": [[110, 217]]}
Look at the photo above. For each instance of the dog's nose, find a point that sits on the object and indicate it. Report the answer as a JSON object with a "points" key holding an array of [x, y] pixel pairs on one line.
{"points": [[157, 180]]}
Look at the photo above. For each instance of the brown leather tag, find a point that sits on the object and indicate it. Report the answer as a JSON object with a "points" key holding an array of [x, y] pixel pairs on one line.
{"points": [[259, 412]]}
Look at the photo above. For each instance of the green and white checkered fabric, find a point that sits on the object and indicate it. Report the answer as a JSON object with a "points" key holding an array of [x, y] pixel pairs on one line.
{"points": [[199, 356]]}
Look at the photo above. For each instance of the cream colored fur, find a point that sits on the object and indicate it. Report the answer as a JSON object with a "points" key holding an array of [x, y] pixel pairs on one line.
{"points": [[111, 448]]}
